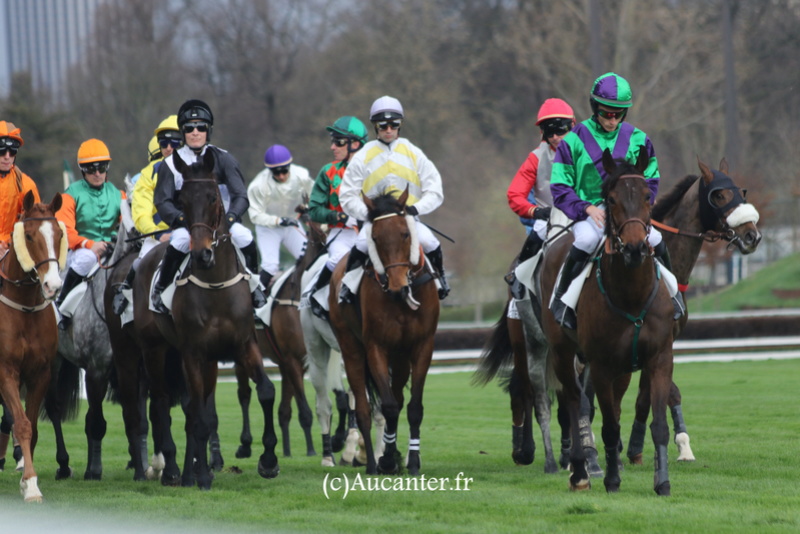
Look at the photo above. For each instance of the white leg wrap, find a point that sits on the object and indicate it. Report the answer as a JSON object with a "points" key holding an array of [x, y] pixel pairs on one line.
{"points": [[685, 453], [413, 444], [30, 490], [389, 438]]}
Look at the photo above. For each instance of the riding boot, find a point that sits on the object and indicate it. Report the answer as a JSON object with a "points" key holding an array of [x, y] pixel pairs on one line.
{"points": [[438, 263], [250, 253], [355, 260], [322, 280], [572, 268], [533, 244], [265, 278], [169, 266], [71, 280], [120, 302], [661, 253]]}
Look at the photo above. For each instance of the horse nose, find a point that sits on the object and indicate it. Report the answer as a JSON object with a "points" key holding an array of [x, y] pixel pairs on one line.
{"points": [[753, 238]]}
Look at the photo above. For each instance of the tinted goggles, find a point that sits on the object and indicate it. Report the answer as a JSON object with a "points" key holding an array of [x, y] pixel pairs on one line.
{"points": [[385, 125], [611, 114], [280, 170], [340, 141], [553, 127], [199, 126], [174, 143], [95, 167], [10, 145]]}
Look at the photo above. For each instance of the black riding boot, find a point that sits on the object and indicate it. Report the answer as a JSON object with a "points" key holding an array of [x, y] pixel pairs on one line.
{"points": [[438, 263], [355, 260], [573, 266], [533, 244], [265, 278], [120, 302], [322, 280], [169, 266], [661, 253], [71, 280], [251, 259]]}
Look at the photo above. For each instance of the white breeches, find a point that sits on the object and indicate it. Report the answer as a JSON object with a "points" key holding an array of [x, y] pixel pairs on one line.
{"points": [[269, 244], [426, 238], [588, 235], [340, 241], [81, 260], [181, 240]]}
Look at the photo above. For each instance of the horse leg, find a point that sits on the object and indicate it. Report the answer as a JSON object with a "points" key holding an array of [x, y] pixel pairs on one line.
{"points": [[132, 393], [523, 448], [285, 411], [160, 413], [542, 405], [304, 415], [37, 389], [639, 428], [609, 393], [244, 393], [9, 392], [200, 379], [562, 413], [357, 374], [585, 422], [216, 462], [685, 453], [342, 399], [571, 397], [318, 358], [415, 409], [660, 380], [265, 393], [54, 412], [95, 424], [391, 395]]}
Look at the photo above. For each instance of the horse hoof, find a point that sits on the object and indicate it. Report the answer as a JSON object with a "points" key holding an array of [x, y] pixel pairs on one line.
{"points": [[243, 452], [88, 475], [311, 452], [635, 459], [550, 467], [522, 458], [663, 489], [268, 472], [684, 450], [612, 486], [63, 473], [172, 481], [580, 485], [328, 461]]}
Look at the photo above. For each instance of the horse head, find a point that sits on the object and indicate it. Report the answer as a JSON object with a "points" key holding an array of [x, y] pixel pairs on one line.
{"points": [[627, 198], [202, 204], [393, 243], [40, 243], [723, 208]]}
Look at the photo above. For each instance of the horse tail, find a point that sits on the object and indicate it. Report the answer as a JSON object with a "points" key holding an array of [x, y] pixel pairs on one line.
{"points": [[63, 395], [497, 353]]}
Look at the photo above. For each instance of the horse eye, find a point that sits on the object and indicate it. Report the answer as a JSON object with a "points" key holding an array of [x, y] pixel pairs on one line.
{"points": [[611, 201], [28, 237]]}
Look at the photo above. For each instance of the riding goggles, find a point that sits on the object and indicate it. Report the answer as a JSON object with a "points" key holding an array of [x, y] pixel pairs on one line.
{"points": [[611, 114], [95, 167], [385, 125], [340, 141], [280, 170], [199, 126], [9, 144], [164, 143], [558, 126]]}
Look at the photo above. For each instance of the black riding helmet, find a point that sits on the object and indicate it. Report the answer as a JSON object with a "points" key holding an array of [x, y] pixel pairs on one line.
{"points": [[195, 111]]}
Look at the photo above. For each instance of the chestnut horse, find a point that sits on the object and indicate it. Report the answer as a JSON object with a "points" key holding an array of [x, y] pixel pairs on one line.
{"points": [[389, 334], [28, 333], [212, 320], [625, 323]]}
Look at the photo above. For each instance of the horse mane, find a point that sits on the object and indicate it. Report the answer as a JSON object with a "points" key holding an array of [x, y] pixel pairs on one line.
{"points": [[384, 204], [665, 204]]}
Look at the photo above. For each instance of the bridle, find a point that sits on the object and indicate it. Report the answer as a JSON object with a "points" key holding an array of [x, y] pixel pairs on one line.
{"points": [[414, 270], [617, 244], [215, 239], [33, 275]]}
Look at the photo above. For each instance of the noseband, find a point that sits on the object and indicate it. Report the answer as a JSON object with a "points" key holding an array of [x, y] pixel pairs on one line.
{"points": [[211, 229], [383, 279], [33, 274]]}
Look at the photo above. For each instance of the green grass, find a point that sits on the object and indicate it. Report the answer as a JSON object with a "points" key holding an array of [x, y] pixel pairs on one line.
{"points": [[755, 292], [742, 417]]}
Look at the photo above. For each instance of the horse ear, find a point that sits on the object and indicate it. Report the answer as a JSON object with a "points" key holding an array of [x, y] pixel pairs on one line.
{"points": [[705, 171], [208, 160], [180, 165], [28, 201], [609, 165], [723, 166], [55, 204], [642, 160], [403, 198], [368, 201]]}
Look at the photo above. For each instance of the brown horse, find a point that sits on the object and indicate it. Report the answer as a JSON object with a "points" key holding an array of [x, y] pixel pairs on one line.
{"points": [[698, 209], [212, 320], [28, 333], [390, 335], [625, 323]]}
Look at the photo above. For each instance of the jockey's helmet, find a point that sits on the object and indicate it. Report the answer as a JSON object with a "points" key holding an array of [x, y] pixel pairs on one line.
{"points": [[611, 90], [93, 150], [195, 111], [168, 128], [555, 117], [350, 128], [153, 149], [10, 135], [277, 156], [386, 108]]}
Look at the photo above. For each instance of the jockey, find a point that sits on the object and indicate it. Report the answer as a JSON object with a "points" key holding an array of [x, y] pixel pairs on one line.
{"points": [[273, 194], [529, 192], [14, 184], [196, 123], [577, 178], [166, 139], [392, 163], [348, 135], [90, 212]]}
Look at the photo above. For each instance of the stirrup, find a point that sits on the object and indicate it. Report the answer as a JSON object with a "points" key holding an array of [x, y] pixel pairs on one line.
{"points": [[346, 296], [64, 323], [119, 303], [563, 314], [158, 304], [259, 300]]}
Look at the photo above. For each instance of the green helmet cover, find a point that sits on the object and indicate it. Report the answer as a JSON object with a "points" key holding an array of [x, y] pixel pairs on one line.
{"points": [[348, 126]]}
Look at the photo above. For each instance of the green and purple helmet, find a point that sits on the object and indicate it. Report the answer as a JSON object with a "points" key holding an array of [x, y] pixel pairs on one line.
{"points": [[612, 90]]}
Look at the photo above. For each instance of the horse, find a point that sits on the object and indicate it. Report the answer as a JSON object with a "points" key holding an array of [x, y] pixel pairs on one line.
{"points": [[212, 320], [389, 334], [28, 333], [705, 208], [283, 342], [86, 345], [324, 362], [625, 323]]}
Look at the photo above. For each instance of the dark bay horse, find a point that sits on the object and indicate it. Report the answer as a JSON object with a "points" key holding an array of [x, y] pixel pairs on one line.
{"points": [[389, 337], [212, 320], [625, 323], [710, 208], [28, 333]]}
